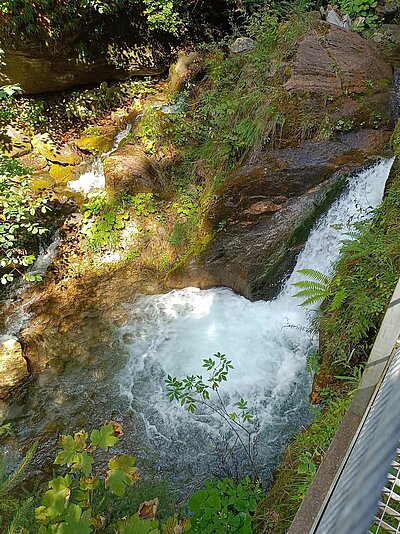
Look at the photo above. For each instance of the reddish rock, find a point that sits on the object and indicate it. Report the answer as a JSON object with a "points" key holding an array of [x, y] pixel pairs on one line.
{"points": [[340, 62]]}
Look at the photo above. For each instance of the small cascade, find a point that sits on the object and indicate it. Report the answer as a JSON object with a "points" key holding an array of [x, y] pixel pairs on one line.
{"points": [[19, 318], [94, 178]]}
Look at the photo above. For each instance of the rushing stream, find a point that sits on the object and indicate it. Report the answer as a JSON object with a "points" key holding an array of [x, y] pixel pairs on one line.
{"points": [[122, 376]]}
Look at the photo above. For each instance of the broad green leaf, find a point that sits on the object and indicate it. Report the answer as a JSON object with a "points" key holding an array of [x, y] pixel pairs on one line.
{"points": [[120, 474], [56, 499], [104, 437], [82, 461], [76, 521], [135, 525], [71, 445]]}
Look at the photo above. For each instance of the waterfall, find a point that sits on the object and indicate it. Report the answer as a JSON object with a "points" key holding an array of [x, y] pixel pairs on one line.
{"points": [[94, 178], [268, 343]]}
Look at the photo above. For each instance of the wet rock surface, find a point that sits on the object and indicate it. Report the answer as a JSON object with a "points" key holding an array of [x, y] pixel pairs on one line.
{"points": [[265, 206], [13, 366]]}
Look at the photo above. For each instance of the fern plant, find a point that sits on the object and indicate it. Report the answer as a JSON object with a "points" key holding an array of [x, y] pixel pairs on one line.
{"points": [[319, 287], [315, 289]]}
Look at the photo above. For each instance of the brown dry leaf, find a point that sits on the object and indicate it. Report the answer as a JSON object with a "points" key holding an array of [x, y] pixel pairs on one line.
{"points": [[99, 522], [118, 429], [148, 509]]}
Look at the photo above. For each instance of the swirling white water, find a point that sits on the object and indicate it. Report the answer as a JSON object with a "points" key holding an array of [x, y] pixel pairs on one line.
{"points": [[268, 343]]}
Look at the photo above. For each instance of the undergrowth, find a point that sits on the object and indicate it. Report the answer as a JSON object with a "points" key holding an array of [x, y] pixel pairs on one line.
{"points": [[241, 106], [276, 512], [366, 275]]}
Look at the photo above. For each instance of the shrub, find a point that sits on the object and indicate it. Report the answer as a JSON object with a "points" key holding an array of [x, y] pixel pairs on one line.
{"points": [[21, 212]]}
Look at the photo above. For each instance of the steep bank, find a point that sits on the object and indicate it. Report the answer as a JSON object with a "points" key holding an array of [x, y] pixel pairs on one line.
{"points": [[366, 275]]}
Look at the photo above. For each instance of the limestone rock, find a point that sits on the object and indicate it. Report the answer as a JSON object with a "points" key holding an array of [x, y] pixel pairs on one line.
{"points": [[44, 145], [43, 72], [130, 171], [340, 63], [262, 205], [242, 44], [186, 68], [33, 161], [13, 366]]}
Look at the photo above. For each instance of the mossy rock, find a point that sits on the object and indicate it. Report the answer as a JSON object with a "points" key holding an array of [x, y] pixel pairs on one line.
{"points": [[44, 145], [19, 143], [63, 173], [45, 181], [95, 141]]}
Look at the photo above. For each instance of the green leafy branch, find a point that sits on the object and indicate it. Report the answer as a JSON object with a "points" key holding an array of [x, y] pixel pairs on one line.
{"points": [[66, 507], [194, 390], [21, 211]]}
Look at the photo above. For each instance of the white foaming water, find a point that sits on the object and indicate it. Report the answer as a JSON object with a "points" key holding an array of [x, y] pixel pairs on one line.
{"points": [[94, 178], [268, 343]]}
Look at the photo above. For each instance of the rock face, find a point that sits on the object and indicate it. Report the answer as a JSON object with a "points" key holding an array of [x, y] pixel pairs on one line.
{"points": [[186, 68], [13, 366], [341, 61], [44, 145], [130, 171], [43, 74], [242, 44], [266, 210]]}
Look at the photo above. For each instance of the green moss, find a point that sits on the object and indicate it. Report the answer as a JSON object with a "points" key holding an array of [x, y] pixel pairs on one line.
{"points": [[95, 141], [62, 173]]}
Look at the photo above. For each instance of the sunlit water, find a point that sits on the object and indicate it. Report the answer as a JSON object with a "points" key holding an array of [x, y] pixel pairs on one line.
{"points": [[268, 343]]}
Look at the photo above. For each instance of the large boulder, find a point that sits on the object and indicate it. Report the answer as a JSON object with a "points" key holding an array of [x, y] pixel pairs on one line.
{"points": [[266, 210], [47, 73], [13, 366], [129, 171], [341, 61]]}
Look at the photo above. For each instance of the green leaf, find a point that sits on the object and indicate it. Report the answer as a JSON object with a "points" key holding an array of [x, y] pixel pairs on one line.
{"points": [[135, 525], [104, 437], [76, 521], [120, 474], [82, 461], [71, 446], [56, 499]]}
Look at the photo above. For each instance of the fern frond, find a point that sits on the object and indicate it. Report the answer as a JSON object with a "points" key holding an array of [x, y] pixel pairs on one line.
{"points": [[307, 284], [7, 485], [313, 300], [321, 294], [14, 527], [315, 275]]}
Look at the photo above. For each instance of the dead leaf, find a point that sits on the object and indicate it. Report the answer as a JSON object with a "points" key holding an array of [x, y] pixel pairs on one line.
{"points": [[148, 509]]}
